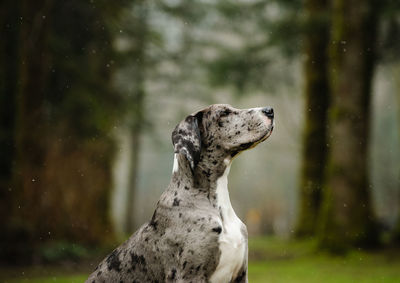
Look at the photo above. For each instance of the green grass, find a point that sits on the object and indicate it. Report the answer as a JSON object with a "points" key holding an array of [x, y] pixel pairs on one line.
{"points": [[272, 260], [293, 261]]}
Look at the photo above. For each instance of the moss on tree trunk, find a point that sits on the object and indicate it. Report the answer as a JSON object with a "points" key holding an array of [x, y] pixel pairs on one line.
{"points": [[316, 93], [9, 32], [396, 71], [30, 141], [136, 116], [347, 216]]}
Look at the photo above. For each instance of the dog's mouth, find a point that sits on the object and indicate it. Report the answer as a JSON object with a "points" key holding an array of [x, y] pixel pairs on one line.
{"points": [[252, 144], [268, 132], [265, 136]]}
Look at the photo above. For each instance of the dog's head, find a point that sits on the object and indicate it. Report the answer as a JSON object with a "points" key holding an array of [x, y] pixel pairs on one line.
{"points": [[221, 131]]}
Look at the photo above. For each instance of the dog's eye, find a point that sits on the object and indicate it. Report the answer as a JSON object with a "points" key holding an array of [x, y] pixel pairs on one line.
{"points": [[225, 113]]}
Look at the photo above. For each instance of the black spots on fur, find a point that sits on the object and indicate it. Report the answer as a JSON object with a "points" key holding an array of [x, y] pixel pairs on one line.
{"points": [[187, 140], [237, 133], [176, 202], [220, 124], [180, 215], [206, 173], [176, 193], [217, 230], [186, 188], [172, 276], [113, 261], [182, 132], [138, 261], [199, 117], [225, 113], [184, 264], [218, 146], [215, 162], [241, 276], [193, 268], [153, 222], [193, 151], [189, 230], [179, 183]]}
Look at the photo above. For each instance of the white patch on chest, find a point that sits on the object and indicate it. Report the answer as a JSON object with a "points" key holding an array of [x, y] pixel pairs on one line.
{"points": [[232, 243], [175, 167]]}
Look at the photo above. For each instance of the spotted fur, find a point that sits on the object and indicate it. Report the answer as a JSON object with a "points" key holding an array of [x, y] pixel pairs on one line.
{"points": [[181, 242]]}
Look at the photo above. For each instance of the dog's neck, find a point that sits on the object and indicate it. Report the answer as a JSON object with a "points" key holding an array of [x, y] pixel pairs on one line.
{"points": [[206, 174]]}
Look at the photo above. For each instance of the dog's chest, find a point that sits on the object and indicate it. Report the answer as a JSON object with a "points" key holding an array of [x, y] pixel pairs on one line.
{"points": [[232, 242]]}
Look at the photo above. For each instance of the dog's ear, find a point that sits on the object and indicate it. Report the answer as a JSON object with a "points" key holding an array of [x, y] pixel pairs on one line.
{"points": [[186, 139]]}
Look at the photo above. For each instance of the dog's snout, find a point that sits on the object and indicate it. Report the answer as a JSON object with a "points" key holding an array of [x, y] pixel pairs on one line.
{"points": [[268, 111]]}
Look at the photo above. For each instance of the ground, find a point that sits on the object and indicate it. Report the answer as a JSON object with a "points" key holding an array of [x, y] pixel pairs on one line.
{"points": [[271, 260]]}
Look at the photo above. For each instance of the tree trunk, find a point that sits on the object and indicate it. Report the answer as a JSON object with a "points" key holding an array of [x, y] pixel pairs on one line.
{"points": [[136, 131], [136, 115], [29, 124], [348, 218], [61, 166], [9, 31], [316, 92], [397, 87]]}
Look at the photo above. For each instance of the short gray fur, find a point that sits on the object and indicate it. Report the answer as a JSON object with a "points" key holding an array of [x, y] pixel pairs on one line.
{"points": [[180, 242]]}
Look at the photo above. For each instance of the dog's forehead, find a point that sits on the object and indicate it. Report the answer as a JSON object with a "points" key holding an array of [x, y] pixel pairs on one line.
{"points": [[214, 109], [220, 106]]}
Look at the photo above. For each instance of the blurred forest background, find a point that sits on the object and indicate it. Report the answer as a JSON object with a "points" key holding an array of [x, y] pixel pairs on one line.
{"points": [[90, 92]]}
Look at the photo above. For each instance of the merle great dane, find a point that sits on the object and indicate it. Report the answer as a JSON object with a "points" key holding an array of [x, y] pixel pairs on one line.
{"points": [[194, 234]]}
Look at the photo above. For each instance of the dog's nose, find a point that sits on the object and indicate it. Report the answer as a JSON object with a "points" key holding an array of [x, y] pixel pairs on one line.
{"points": [[268, 111]]}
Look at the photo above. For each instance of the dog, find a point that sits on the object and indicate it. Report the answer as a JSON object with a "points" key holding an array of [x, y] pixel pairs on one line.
{"points": [[194, 234]]}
